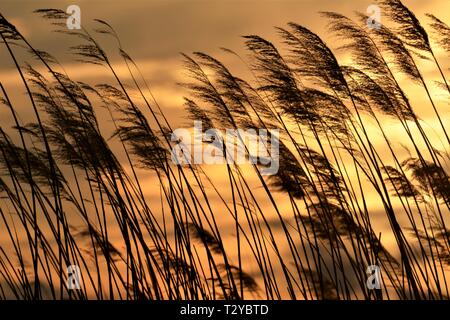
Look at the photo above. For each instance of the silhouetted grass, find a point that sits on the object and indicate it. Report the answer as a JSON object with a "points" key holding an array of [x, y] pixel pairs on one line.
{"points": [[307, 232]]}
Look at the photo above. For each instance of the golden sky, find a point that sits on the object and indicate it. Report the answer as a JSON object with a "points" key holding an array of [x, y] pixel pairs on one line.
{"points": [[155, 32]]}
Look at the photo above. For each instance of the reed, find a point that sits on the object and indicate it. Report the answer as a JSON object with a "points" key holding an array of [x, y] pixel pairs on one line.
{"points": [[72, 193]]}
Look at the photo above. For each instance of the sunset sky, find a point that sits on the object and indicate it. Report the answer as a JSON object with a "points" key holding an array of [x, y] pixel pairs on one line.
{"points": [[155, 32]]}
